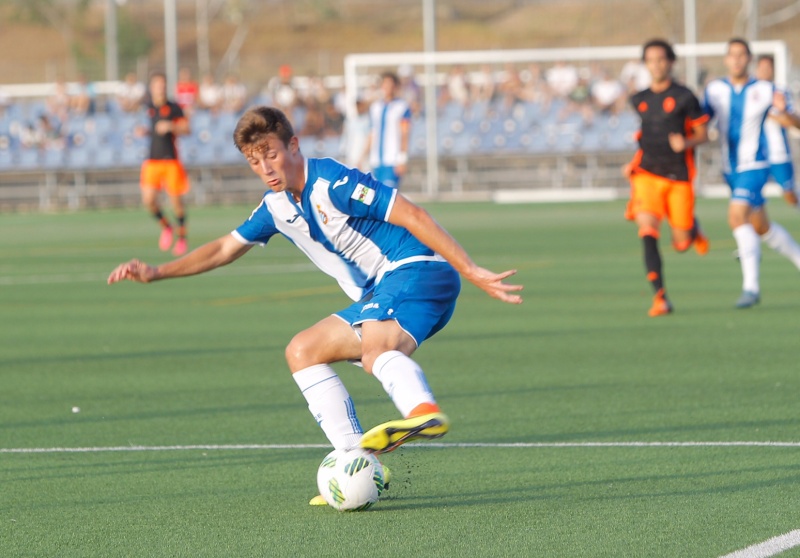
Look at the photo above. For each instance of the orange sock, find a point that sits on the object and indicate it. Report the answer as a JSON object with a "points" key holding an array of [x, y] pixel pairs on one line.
{"points": [[424, 409]]}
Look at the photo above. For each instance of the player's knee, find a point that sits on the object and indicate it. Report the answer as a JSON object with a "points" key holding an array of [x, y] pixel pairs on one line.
{"points": [[299, 352]]}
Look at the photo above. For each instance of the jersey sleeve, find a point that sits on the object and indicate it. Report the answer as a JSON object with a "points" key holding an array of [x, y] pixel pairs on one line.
{"points": [[705, 105], [258, 228], [358, 194], [695, 112], [787, 95]]}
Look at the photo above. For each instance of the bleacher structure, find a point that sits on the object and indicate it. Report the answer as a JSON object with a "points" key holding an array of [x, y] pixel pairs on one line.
{"points": [[527, 152]]}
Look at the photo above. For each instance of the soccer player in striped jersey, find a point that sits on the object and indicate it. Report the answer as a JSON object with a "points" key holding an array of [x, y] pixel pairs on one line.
{"points": [[390, 121], [662, 170], [400, 268], [741, 104], [781, 117]]}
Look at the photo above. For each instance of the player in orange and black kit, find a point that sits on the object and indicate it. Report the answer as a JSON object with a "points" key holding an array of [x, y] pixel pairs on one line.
{"points": [[662, 170], [162, 169]]}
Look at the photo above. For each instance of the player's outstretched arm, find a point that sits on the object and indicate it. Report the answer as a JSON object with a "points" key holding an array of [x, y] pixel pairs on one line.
{"points": [[419, 223], [209, 256]]}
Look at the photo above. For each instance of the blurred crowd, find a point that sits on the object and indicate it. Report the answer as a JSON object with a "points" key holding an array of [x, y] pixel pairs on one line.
{"points": [[319, 111]]}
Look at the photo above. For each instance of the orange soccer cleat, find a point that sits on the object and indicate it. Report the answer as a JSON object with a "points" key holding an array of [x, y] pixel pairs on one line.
{"points": [[661, 306]]}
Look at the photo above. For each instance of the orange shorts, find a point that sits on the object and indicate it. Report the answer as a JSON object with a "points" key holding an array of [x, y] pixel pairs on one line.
{"points": [[673, 199], [168, 174]]}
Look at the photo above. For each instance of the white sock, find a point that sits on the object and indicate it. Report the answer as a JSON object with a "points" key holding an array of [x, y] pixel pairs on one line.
{"points": [[782, 242], [330, 404], [747, 242], [403, 380]]}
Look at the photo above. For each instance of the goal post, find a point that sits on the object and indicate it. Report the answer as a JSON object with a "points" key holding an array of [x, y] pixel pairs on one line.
{"points": [[359, 69]]}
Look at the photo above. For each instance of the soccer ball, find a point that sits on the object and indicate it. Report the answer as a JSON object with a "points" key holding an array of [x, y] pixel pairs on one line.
{"points": [[350, 480]]}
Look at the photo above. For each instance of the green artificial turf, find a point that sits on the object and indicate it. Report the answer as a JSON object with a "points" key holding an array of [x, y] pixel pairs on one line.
{"points": [[573, 373]]}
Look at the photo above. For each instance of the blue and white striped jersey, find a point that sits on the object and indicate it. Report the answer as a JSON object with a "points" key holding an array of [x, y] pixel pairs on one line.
{"points": [[385, 119], [777, 136], [740, 112], [340, 224]]}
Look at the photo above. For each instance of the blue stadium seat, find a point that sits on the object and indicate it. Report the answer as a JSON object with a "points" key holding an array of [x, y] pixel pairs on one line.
{"points": [[79, 158], [53, 159], [28, 159]]}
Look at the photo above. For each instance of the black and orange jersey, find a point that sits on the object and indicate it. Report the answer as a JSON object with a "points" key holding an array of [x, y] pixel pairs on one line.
{"points": [[674, 110], [163, 147]]}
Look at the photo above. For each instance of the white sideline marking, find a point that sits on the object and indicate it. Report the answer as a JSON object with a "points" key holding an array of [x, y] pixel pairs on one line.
{"points": [[770, 547], [225, 447]]}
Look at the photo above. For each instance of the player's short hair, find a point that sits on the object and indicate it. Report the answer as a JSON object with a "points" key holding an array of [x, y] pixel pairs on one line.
{"points": [[740, 41], [390, 75], [258, 122], [660, 43], [158, 74], [768, 57]]}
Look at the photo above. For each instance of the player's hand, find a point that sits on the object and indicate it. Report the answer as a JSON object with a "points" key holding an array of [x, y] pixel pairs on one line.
{"points": [[493, 284], [400, 170], [779, 101], [677, 142], [163, 127], [627, 170], [133, 270]]}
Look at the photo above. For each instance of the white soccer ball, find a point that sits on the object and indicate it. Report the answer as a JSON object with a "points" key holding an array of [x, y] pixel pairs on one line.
{"points": [[350, 480]]}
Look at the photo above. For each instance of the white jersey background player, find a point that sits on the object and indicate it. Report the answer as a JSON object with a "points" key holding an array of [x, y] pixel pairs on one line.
{"points": [[781, 117], [740, 104], [388, 255]]}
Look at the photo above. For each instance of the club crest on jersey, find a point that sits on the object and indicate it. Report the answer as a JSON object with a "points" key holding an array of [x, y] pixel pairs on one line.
{"points": [[669, 104], [322, 215], [363, 194]]}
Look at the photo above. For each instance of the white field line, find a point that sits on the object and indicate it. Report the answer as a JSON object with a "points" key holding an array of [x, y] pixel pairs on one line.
{"points": [[770, 547], [228, 447]]}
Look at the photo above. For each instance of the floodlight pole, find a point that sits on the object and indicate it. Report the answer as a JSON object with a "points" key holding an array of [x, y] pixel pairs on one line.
{"points": [[112, 51], [171, 44], [690, 38], [429, 37]]}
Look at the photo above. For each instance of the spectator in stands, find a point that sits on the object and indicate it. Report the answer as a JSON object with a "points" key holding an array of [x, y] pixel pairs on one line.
{"points": [[282, 92], [410, 90], [579, 100], [390, 120], [5, 101], [635, 76], [314, 121], [511, 88], [355, 136], [58, 102], [44, 133], [186, 91], [131, 93], [162, 169], [482, 86], [562, 78], [82, 97], [209, 94], [234, 95], [608, 94], [334, 119], [456, 89], [317, 91], [535, 89]]}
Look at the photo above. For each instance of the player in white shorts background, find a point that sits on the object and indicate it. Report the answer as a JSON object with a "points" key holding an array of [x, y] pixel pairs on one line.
{"points": [[390, 257], [740, 104], [781, 117]]}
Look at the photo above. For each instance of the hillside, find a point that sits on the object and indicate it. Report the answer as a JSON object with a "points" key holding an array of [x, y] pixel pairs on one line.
{"points": [[314, 35]]}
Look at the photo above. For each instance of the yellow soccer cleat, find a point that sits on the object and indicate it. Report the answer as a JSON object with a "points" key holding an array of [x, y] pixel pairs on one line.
{"points": [[391, 435], [317, 500]]}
